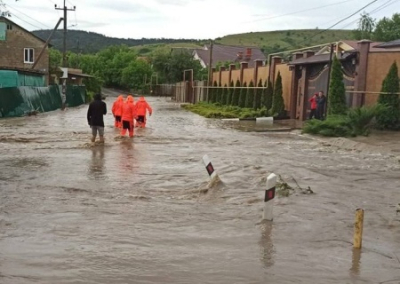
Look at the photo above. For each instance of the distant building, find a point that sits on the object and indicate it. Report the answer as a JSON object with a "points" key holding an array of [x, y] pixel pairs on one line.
{"points": [[229, 53], [19, 49]]}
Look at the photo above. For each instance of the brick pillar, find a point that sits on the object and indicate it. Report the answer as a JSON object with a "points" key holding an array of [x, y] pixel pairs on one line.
{"points": [[360, 82], [243, 65], [275, 61], [221, 69], [231, 68], [295, 86], [297, 55], [304, 88]]}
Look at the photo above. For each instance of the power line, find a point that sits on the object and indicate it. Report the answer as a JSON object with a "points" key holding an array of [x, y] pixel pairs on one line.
{"points": [[376, 10], [47, 27], [297, 12], [27, 22], [341, 21]]}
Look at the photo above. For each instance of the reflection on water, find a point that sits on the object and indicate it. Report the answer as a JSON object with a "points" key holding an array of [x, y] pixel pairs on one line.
{"points": [[356, 261], [96, 166], [266, 244]]}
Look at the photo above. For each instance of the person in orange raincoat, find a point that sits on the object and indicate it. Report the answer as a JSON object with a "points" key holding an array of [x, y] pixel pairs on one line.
{"points": [[142, 108], [117, 111], [128, 115]]}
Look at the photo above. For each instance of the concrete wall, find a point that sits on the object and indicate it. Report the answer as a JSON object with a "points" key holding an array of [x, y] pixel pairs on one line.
{"points": [[248, 76], [12, 49], [225, 78], [235, 76], [378, 67], [263, 73]]}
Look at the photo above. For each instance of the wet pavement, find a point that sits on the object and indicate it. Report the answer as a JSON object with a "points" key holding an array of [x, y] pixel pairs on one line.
{"points": [[141, 210]]}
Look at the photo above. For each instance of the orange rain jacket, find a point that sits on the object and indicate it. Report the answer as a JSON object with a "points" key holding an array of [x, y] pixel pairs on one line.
{"points": [[129, 110], [142, 107], [117, 106]]}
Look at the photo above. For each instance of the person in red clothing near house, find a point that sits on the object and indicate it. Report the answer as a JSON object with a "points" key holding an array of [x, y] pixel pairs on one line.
{"points": [[117, 111], [128, 115], [314, 103], [142, 108]]}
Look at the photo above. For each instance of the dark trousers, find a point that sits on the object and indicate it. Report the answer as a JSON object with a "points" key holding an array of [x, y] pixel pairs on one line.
{"points": [[313, 113]]}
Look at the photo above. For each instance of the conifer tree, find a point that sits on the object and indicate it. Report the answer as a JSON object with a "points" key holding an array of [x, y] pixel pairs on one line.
{"points": [[236, 94], [267, 95], [337, 92], [389, 117], [250, 96], [230, 94], [242, 96], [278, 105], [257, 98]]}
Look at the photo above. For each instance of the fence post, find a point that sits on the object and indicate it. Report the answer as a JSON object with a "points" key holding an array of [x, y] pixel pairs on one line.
{"points": [[358, 228], [269, 198], [209, 167]]}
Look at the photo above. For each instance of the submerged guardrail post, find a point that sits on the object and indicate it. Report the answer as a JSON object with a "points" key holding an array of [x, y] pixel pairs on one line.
{"points": [[358, 228], [209, 167], [269, 197]]}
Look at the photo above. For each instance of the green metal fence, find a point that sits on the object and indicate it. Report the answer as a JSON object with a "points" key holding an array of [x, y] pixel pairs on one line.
{"points": [[18, 101]]}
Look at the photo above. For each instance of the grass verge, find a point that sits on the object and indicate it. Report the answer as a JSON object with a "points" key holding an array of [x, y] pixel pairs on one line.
{"points": [[217, 110]]}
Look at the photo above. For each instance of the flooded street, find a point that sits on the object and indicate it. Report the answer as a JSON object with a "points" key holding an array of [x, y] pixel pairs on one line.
{"points": [[141, 210]]}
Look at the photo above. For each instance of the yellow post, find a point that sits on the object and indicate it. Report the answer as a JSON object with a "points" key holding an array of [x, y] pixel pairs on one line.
{"points": [[358, 228]]}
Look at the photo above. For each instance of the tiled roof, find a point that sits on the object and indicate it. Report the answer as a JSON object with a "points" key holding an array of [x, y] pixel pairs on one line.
{"points": [[224, 53]]}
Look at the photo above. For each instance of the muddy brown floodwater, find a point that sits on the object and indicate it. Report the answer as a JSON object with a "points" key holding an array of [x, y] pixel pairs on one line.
{"points": [[141, 210]]}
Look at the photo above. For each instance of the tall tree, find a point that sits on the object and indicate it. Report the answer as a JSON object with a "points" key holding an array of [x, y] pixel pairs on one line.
{"points": [[230, 94], [388, 29], [366, 26], [250, 96], [242, 96], [236, 94], [389, 118], [278, 105], [219, 94], [257, 98], [337, 92]]}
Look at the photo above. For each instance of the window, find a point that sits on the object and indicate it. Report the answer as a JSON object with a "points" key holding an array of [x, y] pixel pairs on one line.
{"points": [[9, 27], [28, 55]]}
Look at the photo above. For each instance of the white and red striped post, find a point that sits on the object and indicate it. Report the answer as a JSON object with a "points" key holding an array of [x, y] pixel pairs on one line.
{"points": [[269, 197], [209, 167]]}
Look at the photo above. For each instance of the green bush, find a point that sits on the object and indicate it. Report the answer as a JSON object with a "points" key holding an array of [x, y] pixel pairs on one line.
{"points": [[242, 96], [213, 92], [357, 121], [89, 96], [218, 94], [216, 110], [225, 92], [249, 96], [389, 118], [236, 94]]}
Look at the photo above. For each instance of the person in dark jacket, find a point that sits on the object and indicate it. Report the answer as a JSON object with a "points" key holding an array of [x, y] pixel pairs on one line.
{"points": [[97, 109], [321, 105]]}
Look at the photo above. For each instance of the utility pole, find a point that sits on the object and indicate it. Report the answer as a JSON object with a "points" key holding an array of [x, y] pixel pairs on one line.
{"points": [[64, 62], [210, 73]]}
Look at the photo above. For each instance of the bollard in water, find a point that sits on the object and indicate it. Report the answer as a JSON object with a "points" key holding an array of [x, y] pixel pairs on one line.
{"points": [[358, 228], [209, 167], [269, 197]]}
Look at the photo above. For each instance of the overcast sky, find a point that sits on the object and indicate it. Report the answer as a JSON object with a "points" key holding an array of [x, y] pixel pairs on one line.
{"points": [[193, 18]]}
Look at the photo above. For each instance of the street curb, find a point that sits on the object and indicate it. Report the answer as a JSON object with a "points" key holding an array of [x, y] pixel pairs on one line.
{"points": [[257, 119]]}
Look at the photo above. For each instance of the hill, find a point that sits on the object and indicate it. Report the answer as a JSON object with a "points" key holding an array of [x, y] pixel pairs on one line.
{"points": [[90, 42], [269, 42], [275, 41]]}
